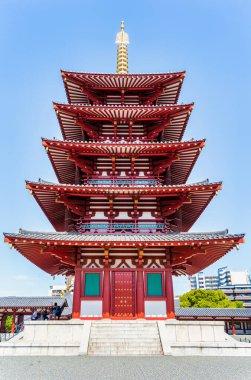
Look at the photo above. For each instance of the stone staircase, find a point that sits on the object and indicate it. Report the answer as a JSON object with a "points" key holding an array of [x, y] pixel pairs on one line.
{"points": [[124, 338]]}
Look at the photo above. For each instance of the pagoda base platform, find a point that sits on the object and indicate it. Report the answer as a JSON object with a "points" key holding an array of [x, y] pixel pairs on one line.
{"points": [[48, 338], [136, 337]]}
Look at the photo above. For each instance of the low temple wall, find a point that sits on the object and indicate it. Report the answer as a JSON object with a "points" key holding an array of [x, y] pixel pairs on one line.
{"points": [[188, 338], [71, 338], [49, 338]]}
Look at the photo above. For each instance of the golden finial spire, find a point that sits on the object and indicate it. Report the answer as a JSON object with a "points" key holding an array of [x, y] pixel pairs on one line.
{"points": [[122, 40]]}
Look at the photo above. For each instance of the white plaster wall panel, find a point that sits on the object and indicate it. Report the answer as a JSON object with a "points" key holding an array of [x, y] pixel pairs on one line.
{"points": [[99, 215], [155, 308], [146, 215], [118, 263], [122, 215], [91, 308]]}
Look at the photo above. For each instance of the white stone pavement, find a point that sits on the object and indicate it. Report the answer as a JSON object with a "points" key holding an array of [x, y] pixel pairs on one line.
{"points": [[124, 368]]}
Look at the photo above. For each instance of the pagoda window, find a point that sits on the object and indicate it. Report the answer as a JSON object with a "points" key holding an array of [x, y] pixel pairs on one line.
{"points": [[154, 284], [92, 285]]}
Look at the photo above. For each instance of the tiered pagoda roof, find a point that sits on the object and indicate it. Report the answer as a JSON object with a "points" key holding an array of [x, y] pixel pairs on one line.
{"points": [[122, 208], [84, 87], [180, 156], [171, 119], [56, 253], [191, 199], [112, 122]]}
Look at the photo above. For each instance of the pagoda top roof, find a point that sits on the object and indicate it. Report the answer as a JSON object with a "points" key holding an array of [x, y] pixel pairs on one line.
{"points": [[71, 117], [182, 155], [79, 85], [55, 253], [192, 199], [145, 77]]}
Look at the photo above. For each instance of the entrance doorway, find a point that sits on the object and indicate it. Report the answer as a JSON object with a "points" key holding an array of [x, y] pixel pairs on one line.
{"points": [[123, 294]]}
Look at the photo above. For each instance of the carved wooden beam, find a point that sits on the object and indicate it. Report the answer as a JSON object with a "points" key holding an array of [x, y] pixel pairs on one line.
{"points": [[77, 206], [88, 128], [161, 165]]}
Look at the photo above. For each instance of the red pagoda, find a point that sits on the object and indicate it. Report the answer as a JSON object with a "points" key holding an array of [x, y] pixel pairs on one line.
{"points": [[122, 208]]}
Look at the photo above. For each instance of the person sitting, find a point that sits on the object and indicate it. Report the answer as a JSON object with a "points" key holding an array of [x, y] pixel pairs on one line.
{"points": [[53, 311], [45, 314], [58, 312], [34, 315]]}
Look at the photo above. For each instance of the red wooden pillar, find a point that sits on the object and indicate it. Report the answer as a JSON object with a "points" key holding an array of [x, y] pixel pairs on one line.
{"points": [[3, 321], [76, 294], [13, 322], [106, 286], [106, 294], [20, 319], [169, 292], [140, 288]]}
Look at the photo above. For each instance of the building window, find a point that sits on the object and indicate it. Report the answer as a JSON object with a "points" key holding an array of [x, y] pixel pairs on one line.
{"points": [[92, 285], [154, 285]]}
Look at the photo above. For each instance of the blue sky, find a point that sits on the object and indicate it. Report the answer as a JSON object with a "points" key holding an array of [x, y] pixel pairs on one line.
{"points": [[209, 39]]}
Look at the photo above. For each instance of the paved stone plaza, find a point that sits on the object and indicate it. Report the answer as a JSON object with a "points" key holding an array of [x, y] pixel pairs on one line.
{"points": [[125, 368]]}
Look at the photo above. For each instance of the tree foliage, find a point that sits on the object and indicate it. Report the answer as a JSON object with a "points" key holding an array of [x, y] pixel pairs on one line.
{"points": [[8, 323], [208, 298]]}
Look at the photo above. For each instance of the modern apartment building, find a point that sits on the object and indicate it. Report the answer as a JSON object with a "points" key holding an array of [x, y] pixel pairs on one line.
{"points": [[236, 285]]}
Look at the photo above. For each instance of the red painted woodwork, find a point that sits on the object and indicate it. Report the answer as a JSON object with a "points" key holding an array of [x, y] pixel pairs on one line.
{"points": [[20, 318], [76, 294], [169, 293], [128, 124], [123, 294], [2, 325], [140, 294], [164, 88], [106, 294]]}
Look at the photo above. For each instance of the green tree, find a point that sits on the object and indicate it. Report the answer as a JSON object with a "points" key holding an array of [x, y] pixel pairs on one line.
{"points": [[8, 323], [208, 298]]}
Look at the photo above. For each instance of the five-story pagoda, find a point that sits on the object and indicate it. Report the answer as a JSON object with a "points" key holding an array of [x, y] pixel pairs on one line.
{"points": [[122, 207]]}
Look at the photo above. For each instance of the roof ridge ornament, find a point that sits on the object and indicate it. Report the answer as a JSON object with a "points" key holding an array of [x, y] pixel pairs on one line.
{"points": [[122, 40]]}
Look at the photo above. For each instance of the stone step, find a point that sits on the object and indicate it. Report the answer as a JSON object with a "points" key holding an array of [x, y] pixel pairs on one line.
{"points": [[125, 330], [131, 325], [123, 335], [138, 338], [124, 345], [104, 348], [124, 352], [124, 327], [127, 338], [101, 328], [127, 353], [139, 333], [124, 338]]}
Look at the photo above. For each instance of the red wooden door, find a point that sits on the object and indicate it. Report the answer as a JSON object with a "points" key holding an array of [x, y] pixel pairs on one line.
{"points": [[123, 294]]}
